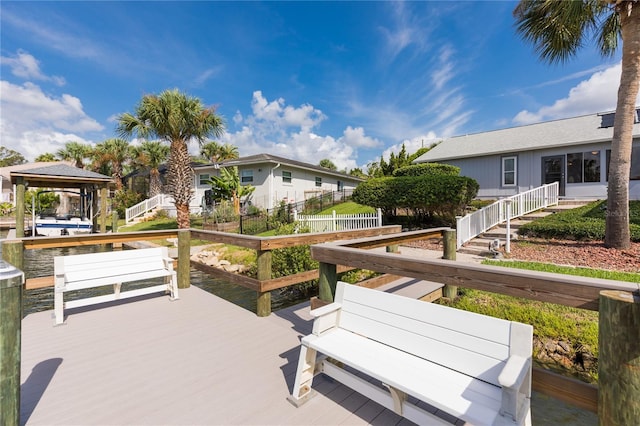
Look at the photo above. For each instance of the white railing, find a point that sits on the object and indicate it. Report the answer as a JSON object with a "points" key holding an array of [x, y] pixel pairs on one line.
{"points": [[474, 224], [338, 222], [145, 206]]}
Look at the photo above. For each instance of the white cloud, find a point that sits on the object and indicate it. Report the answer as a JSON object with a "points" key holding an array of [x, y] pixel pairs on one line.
{"points": [[27, 67], [596, 94], [288, 131], [33, 122]]}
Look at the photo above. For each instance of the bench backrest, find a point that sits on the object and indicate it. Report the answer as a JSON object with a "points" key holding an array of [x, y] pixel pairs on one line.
{"points": [[473, 344], [82, 267]]}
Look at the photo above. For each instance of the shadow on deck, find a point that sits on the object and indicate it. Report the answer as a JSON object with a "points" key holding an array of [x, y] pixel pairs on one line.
{"points": [[198, 360]]}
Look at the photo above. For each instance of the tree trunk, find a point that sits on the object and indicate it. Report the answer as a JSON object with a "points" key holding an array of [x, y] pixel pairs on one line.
{"points": [[155, 186], [617, 221], [180, 180]]}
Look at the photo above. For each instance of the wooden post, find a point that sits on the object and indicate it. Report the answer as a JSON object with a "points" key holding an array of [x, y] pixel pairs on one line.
{"points": [[393, 248], [449, 242], [263, 308], [184, 261], [327, 282], [11, 283], [619, 358], [20, 192], [103, 210], [114, 221]]}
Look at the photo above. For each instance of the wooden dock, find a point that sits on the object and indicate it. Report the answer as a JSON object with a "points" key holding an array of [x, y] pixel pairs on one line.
{"points": [[198, 360]]}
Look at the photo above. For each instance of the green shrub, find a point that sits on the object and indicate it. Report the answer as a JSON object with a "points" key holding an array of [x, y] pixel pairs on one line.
{"points": [[5, 209], [429, 169], [582, 223], [44, 202], [441, 195], [125, 198], [291, 260]]}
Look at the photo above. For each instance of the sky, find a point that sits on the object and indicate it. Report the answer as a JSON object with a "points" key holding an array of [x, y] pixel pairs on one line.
{"points": [[345, 81]]}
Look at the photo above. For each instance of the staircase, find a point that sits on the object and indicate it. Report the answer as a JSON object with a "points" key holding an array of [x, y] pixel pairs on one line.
{"points": [[480, 245], [145, 208]]}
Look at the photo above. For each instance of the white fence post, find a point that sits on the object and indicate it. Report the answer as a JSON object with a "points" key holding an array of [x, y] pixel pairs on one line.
{"points": [[295, 215], [379, 217], [333, 222]]}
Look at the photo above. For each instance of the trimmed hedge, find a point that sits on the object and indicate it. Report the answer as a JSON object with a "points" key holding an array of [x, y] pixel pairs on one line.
{"points": [[427, 169], [582, 223], [441, 195]]}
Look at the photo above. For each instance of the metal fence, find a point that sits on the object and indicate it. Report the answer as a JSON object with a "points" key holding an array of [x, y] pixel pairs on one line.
{"points": [[474, 224]]}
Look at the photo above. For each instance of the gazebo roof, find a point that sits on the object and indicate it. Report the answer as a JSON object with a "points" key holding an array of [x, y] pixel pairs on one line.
{"points": [[61, 176]]}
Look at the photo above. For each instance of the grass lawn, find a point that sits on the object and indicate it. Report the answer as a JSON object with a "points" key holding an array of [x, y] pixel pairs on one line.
{"points": [[348, 207]]}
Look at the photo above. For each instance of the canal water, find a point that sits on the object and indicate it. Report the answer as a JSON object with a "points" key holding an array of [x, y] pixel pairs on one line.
{"points": [[39, 263]]}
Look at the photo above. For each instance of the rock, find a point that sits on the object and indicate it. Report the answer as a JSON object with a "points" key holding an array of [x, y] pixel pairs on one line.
{"points": [[224, 262], [232, 268], [563, 347]]}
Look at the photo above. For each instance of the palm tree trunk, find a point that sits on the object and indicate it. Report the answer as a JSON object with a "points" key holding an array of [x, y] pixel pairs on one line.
{"points": [[617, 233], [180, 181], [155, 186]]}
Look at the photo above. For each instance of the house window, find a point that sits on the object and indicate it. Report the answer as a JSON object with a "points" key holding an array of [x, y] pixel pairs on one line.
{"points": [[286, 176], [509, 171], [583, 167], [204, 178], [246, 176], [635, 163], [340, 185], [318, 181]]}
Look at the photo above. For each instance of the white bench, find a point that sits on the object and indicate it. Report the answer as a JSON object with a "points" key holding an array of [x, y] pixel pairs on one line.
{"points": [[82, 271], [474, 367]]}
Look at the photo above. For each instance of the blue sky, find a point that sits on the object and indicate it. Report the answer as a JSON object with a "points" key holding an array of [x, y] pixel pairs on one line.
{"points": [[348, 81]]}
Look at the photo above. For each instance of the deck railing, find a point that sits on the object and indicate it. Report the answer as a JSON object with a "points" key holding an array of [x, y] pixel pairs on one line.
{"points": [[338, 222], [474, 224], [144, 207]]}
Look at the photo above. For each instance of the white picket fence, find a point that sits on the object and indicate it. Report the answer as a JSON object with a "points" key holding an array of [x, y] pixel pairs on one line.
{"points": [[145, 206], [338, 222], [474, 224]]}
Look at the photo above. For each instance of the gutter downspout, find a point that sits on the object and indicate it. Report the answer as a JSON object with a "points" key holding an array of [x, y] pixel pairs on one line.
{"points": [[271, 178]]}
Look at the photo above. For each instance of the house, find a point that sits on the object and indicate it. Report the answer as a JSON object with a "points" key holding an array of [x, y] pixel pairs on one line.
{"points": [[275, 178], [574, 152]]}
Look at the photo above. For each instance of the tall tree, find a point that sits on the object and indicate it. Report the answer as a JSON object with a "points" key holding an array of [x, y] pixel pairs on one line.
{"points": [[327, 164], [46, 157], [151, 154], [216, 153], [176, 118], [76, 152], [558, 29], [9, 157], [112, 153]]}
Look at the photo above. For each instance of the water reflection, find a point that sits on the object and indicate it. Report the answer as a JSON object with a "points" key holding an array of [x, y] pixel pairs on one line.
{"points": [[39, 263]]}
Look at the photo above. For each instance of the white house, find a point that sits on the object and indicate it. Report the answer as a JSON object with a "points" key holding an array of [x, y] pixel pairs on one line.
{"points": [[574, 152], [276, 179]]}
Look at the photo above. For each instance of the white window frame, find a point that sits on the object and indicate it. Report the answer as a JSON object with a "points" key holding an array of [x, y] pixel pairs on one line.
{"points": [[246, 176], [503, 171], [203, 178]]}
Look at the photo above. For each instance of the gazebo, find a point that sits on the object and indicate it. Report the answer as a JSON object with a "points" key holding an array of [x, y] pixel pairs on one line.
{"points": [[61, 176]]}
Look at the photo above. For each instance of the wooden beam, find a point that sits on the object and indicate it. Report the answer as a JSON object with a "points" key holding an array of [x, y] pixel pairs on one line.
{"points": [[286, 281], [579, 292], [93, 239], [248, 241], [398, 238], [272, 243], [40, 282], [238, 279], [565, 389]]}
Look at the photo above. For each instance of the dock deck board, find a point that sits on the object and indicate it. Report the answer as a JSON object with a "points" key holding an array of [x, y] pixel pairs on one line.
{"points": [[197, 360]]}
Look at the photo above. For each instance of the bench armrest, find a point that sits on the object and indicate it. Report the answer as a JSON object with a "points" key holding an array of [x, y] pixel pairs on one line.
{"points": [[325, 318], [514, 372], [168, 261]]}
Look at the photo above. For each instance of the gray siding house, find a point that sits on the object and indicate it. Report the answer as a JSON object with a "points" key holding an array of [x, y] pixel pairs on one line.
{"points": [[574, 152], [276, 179]]}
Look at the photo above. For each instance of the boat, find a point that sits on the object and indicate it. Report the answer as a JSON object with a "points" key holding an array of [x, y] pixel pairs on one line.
{"points": [[50, 223]]}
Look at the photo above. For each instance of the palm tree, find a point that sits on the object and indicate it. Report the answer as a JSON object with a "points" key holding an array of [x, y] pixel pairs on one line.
{"points": [[176, 118], [46, 157], [110, 156], [151, 154], [214, 152], [76, 152], [227, 187], [558, 29]]}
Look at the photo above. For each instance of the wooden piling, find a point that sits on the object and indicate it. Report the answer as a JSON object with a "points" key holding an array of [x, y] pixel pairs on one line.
{"points": [[449, 241], [103, 210], [327, 282], [184, 258], [619, 358], [20, 193], [10, 337], [263, 308]]}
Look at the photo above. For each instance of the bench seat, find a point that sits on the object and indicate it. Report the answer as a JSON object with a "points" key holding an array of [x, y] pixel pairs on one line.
{"points": [[473, 367], [84, 271]]}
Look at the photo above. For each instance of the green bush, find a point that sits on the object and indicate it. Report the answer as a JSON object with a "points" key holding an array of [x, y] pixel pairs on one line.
{"points": [[5, 209], [291, 260], [582, 223], [427, 195], [125, 198], [44, 202], [429, 169]]}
